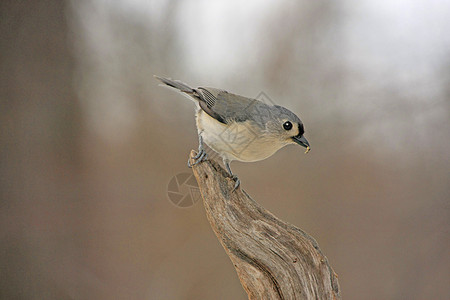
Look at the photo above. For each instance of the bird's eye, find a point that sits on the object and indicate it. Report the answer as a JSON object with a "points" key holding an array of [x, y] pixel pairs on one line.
{"points": [[287, 125]]}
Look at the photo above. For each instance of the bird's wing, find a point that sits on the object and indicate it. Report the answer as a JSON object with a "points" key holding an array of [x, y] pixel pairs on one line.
{"points": [[223, 106], [227, 107]]}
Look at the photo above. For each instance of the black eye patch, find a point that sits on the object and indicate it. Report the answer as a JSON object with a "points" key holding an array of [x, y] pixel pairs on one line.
{"points": [[301, 130]]}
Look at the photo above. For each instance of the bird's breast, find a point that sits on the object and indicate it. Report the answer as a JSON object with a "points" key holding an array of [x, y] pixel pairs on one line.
{"points": [[241, 141]]}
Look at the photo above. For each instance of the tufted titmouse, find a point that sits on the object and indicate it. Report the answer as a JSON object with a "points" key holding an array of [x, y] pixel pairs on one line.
{"points": [[240, 128]]}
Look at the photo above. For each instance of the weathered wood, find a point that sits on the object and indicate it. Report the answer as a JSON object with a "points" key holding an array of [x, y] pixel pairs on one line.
{"points": [[273, 259]]}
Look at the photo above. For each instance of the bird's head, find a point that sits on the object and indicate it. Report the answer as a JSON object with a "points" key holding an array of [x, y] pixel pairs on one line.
{"points": [[287, 128]]}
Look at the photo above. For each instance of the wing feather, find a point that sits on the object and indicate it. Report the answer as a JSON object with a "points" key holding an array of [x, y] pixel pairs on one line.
{"points": [[227, 107], [223, 106]]}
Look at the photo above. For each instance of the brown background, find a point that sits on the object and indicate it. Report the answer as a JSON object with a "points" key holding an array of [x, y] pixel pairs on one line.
{"points": [[89, 143]]}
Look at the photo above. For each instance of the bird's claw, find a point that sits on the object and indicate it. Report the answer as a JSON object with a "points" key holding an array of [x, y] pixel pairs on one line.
{"points": [[237, 182], [198, 158], [199, 153]]}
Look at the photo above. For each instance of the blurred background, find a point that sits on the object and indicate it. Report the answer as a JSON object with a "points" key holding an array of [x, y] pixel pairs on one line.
{"points": [[90, 142]]}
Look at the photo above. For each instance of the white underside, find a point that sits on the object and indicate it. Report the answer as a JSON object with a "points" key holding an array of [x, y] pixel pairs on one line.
{"points": [[236, 141]]}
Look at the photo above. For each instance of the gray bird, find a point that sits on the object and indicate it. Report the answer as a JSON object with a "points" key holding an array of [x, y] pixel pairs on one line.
{"points": [[240, 128]]}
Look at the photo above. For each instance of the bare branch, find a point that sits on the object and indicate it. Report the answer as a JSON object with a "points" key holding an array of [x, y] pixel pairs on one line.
{"points": [[273, 259]]}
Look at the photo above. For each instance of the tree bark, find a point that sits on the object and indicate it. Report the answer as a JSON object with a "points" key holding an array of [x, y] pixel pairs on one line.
{"points": [[273, 259]]}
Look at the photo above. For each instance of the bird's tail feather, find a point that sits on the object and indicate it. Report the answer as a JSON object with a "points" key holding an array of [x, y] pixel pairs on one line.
{"points": [[176, 84]]}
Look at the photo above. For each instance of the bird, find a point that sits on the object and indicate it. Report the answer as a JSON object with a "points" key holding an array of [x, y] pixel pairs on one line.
{"points": [[237, 127]]}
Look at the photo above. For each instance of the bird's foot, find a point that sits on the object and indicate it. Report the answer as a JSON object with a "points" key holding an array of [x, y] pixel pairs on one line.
{"points": [[199, 153], [198, 158], [237, 182]]}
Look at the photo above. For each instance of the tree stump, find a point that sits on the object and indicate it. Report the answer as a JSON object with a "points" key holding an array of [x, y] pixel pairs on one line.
{"points": [[273, 259]]}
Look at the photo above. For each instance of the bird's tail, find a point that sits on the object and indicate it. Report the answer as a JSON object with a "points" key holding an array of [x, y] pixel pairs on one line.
{"points": [[176, 84]]}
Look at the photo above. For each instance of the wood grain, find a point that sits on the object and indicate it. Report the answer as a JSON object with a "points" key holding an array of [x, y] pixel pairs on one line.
{"points": [[273, 259]]}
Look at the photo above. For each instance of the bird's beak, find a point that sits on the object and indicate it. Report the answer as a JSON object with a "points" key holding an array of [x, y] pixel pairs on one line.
{"points": [[302, 141]]}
